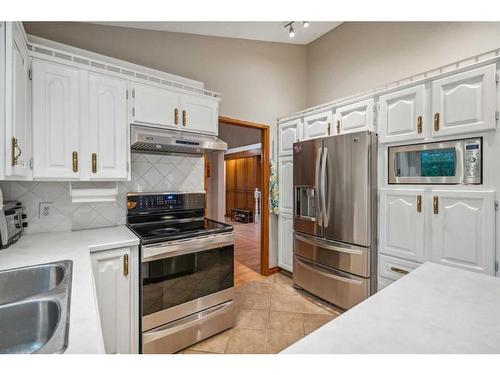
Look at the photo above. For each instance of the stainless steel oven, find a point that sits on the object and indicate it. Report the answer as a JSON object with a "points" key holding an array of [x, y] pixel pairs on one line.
{"points": [[450, 162]]}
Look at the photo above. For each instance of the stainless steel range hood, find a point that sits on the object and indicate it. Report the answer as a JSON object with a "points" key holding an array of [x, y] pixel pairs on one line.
{"points": [[153, 140]]}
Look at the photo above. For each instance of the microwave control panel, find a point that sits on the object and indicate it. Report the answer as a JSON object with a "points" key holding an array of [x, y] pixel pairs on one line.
{"points": [[472, 161]]}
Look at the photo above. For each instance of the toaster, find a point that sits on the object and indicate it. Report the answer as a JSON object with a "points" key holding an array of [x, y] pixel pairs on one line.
{"points": [[12, 223]]}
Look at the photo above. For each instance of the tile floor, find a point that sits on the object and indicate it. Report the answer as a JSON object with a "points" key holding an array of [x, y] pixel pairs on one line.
{"points": [[270, 315]]}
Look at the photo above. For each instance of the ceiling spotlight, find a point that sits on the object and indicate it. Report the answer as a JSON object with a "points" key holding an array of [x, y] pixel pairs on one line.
{"points": [[291, 32], [305, 23]]}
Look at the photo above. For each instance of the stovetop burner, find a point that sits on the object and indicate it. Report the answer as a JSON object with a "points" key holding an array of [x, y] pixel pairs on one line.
{"points": [[164, 231]]}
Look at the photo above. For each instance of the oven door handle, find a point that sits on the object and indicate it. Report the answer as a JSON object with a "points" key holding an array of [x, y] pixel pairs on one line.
{"points": [[182, 247]]}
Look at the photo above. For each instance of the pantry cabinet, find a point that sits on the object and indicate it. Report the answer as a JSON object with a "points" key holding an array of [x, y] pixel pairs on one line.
{"points": [[285, 241], [108, 151], [462, 229], [289, 133], [116, 281], [464, 102], [285, 170], [17, 102], [318, 125], [355, 117], [166, 108], [402, 219], [56, 121], [401, 116]]}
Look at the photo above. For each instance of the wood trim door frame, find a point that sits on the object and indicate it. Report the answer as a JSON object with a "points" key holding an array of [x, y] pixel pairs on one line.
{"points": [[264, 217]]}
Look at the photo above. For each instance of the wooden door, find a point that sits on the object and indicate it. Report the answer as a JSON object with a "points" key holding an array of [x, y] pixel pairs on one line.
{"points": [[243, 176]]}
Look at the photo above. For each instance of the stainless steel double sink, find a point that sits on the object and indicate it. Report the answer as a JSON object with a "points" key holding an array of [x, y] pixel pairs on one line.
{"points": [[35, 308]]}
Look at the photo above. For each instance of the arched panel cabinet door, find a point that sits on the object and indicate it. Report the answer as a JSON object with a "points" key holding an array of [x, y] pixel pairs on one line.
{"points": [[318, 125], [462, 229], [401, 115], [288, 133], [402, 217], [464, 102], [355, 117]]}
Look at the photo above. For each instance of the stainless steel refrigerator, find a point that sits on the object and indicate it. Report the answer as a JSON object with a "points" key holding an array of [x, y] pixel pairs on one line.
{"points": [[335, 217]]}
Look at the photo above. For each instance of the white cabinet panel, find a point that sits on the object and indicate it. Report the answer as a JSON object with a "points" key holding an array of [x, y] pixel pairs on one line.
{"points": [[199, 115], [401, 116], [117, 296], [355, 117], [285, 241], [285, 170], [402, 223], [318, 125], [108, 147], [17, 103], [393, 268], [289, 133], [56, 119], [465, 102], [156, 106], [462, 229]]}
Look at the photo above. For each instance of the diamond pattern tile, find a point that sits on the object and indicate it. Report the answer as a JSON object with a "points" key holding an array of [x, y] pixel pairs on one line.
{"points": [[149, 173]]}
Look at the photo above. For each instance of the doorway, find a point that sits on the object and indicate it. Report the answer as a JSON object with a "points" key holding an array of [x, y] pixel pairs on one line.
{"points": [[246, 195]]}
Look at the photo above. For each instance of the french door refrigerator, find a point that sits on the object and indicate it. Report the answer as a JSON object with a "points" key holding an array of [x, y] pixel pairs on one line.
{"points": [[335, 211]]}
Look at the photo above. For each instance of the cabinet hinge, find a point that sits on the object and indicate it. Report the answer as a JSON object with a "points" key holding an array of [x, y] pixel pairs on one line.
{"points": [[496, 205], [497, 78], [133, 93], [30, 74], [31, 163], [126, 93], [497, 116], [496, 265], [133, 111]]}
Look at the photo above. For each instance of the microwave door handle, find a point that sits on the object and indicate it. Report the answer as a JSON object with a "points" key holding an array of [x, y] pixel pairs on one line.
{"points": [[319, 214], [324, 187]]}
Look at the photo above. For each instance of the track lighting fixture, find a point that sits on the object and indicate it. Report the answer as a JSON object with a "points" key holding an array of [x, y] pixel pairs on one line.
{"points": [[305, 23], [291, 31]]}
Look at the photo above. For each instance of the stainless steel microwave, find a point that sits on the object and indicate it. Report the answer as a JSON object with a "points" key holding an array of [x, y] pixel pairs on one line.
{"points": [[450, 162]]}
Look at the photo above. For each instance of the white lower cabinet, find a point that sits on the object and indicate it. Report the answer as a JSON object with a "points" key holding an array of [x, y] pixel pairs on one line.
{"points": [[462, 229], [285, 172], [402, 232], [285, 241], [116, 277]]}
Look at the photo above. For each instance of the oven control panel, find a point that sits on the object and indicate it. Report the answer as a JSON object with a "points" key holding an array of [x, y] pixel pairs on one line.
{"points": [[472, 161], [137, 203]]}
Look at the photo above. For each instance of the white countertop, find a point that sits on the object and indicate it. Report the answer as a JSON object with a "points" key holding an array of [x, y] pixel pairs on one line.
{"points": [[85, 335], [433, 309]]}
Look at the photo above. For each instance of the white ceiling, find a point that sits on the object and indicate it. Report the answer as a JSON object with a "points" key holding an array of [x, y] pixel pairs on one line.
{"points": [[265, 31]]}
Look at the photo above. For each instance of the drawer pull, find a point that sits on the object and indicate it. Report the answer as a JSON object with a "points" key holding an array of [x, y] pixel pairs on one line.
{"points": [[399, 270]]}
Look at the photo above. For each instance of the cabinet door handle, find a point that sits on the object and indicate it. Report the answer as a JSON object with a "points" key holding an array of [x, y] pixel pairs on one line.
{"points": [[176, 116], [183, 118], [15, 147], [419, 203], [436, 122], [399, 270], [435, 205], [125, 265], [419, 124], [94, 163], [75, 161], [338, 126]]}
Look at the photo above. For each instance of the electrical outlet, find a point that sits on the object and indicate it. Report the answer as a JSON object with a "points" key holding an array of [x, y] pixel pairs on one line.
{"points": [[45, 210]]}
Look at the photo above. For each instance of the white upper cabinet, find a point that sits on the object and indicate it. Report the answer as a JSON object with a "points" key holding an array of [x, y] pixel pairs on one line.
{"points": [[285, 242], [56, 119], [289, 133], [318, 125], [401, 116], [17, 103], [199, 114], [285, 166], [156, 106], [402, 223], [464, 102], [108, 147], [463, 229], [354, 117]]}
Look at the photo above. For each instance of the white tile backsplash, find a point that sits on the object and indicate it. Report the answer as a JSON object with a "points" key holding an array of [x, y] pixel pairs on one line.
{"points": [[149, 173]]}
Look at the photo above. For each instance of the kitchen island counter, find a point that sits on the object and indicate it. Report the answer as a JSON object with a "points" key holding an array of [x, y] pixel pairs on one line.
{"points": [[433, 309]]}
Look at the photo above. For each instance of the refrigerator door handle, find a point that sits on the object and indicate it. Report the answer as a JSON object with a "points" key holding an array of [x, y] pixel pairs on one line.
{"points": [[318, 186], [324, 190]]}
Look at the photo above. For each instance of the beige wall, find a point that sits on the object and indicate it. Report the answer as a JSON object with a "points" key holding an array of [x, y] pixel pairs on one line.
{"points": [[361, 55], [259, 81], [238, 136]]}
